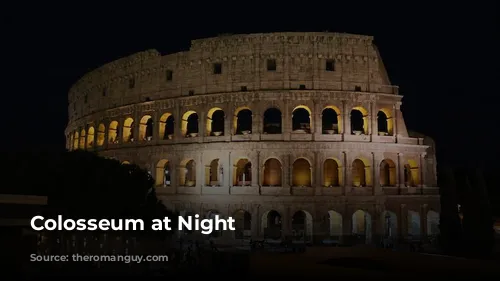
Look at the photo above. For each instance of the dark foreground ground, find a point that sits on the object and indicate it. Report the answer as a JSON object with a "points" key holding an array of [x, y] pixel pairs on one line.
{"points": [[315, 262]]}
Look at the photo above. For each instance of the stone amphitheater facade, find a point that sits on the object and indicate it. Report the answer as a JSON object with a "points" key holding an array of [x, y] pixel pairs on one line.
{"points": [[292, 134]]}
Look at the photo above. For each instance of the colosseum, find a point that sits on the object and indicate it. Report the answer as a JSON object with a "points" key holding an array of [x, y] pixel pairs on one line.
{"points": [[292, 134]]}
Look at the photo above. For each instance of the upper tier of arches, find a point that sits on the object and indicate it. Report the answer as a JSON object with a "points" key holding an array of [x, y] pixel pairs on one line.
{"points": [[290, 61]]}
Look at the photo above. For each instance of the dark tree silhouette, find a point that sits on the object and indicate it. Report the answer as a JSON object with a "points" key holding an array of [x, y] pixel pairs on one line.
{"points": [[450, 237], [478, 220]]}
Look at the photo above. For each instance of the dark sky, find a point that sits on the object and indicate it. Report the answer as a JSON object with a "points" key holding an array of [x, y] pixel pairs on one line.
{"points": [[441, 56]]}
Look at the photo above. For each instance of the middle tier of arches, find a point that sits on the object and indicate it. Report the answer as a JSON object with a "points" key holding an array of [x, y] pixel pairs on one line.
{"points": [[268, 173]]}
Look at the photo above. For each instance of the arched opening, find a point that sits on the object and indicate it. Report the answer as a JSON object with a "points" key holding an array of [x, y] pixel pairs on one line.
{"points": [[390, 220], [432, 223], [90, 137], [189, 124], [213, 215], [271, 224], [242, 224], [331, 173], [387, 173], [302, 225], [414, 230], [146, 128], [82, 139], [301, 173], [385, 122], [163, 173], [125, 163], [242, 123], [359, 121], [301, 120], [101, 134], [330, 121], [411, 174], [166, 129], [76, 139], [187, 173], [128, 130], [360, 173], [70, 143], [214, 176], [334, 225], [113, 132], [361, 226], [243, 173], [272, 172], [272, 121], [215, 122]]}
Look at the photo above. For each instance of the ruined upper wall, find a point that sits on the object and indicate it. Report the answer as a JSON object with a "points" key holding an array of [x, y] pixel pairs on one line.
{"points": [[301, 62]]}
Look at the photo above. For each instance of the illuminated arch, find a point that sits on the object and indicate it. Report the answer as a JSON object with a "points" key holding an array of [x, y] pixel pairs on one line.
{"points": [[146, 128], [101, 134], [359, 120], [301, 172], [385, 122], [189, 123], [332, 175], [113, 132], [163, 173], [90, 137], [128, 130], [331, 120], [301, 119], [76, 140], [361, 173], [272, 172], [166, 126], [412, 173], [215, 121], [82, 139], [388, 175]]}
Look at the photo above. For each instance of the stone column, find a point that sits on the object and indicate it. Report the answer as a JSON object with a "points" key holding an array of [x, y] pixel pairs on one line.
{"points": [[403, 226], [347, 119], [156, 127], [200, 173], [177, 123], [423, 220], [400, 171], [228, 129], [423, 170], [376, 176], [374, 122], [201, 126]]}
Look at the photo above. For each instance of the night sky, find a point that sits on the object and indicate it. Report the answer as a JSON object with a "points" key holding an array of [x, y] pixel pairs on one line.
{"points": [[440, 55]]}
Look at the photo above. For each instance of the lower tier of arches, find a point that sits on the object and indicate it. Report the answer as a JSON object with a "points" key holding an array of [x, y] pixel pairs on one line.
{"points": [[367, 219]]}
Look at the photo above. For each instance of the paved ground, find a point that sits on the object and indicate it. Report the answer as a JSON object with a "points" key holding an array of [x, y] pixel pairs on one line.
{"points": [[369, 262]]}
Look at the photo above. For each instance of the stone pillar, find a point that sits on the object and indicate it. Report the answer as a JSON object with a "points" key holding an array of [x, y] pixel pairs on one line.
{"points": [[200, 173], [347, 175], [400, 171], [228, 129], [156, 127], [347, 119], [256, 223], [286, 222], [256, 171], [376, 176], [423, 220], [374, 122], [422, 170], [403, 225], [177, 123], [201, 126]]}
